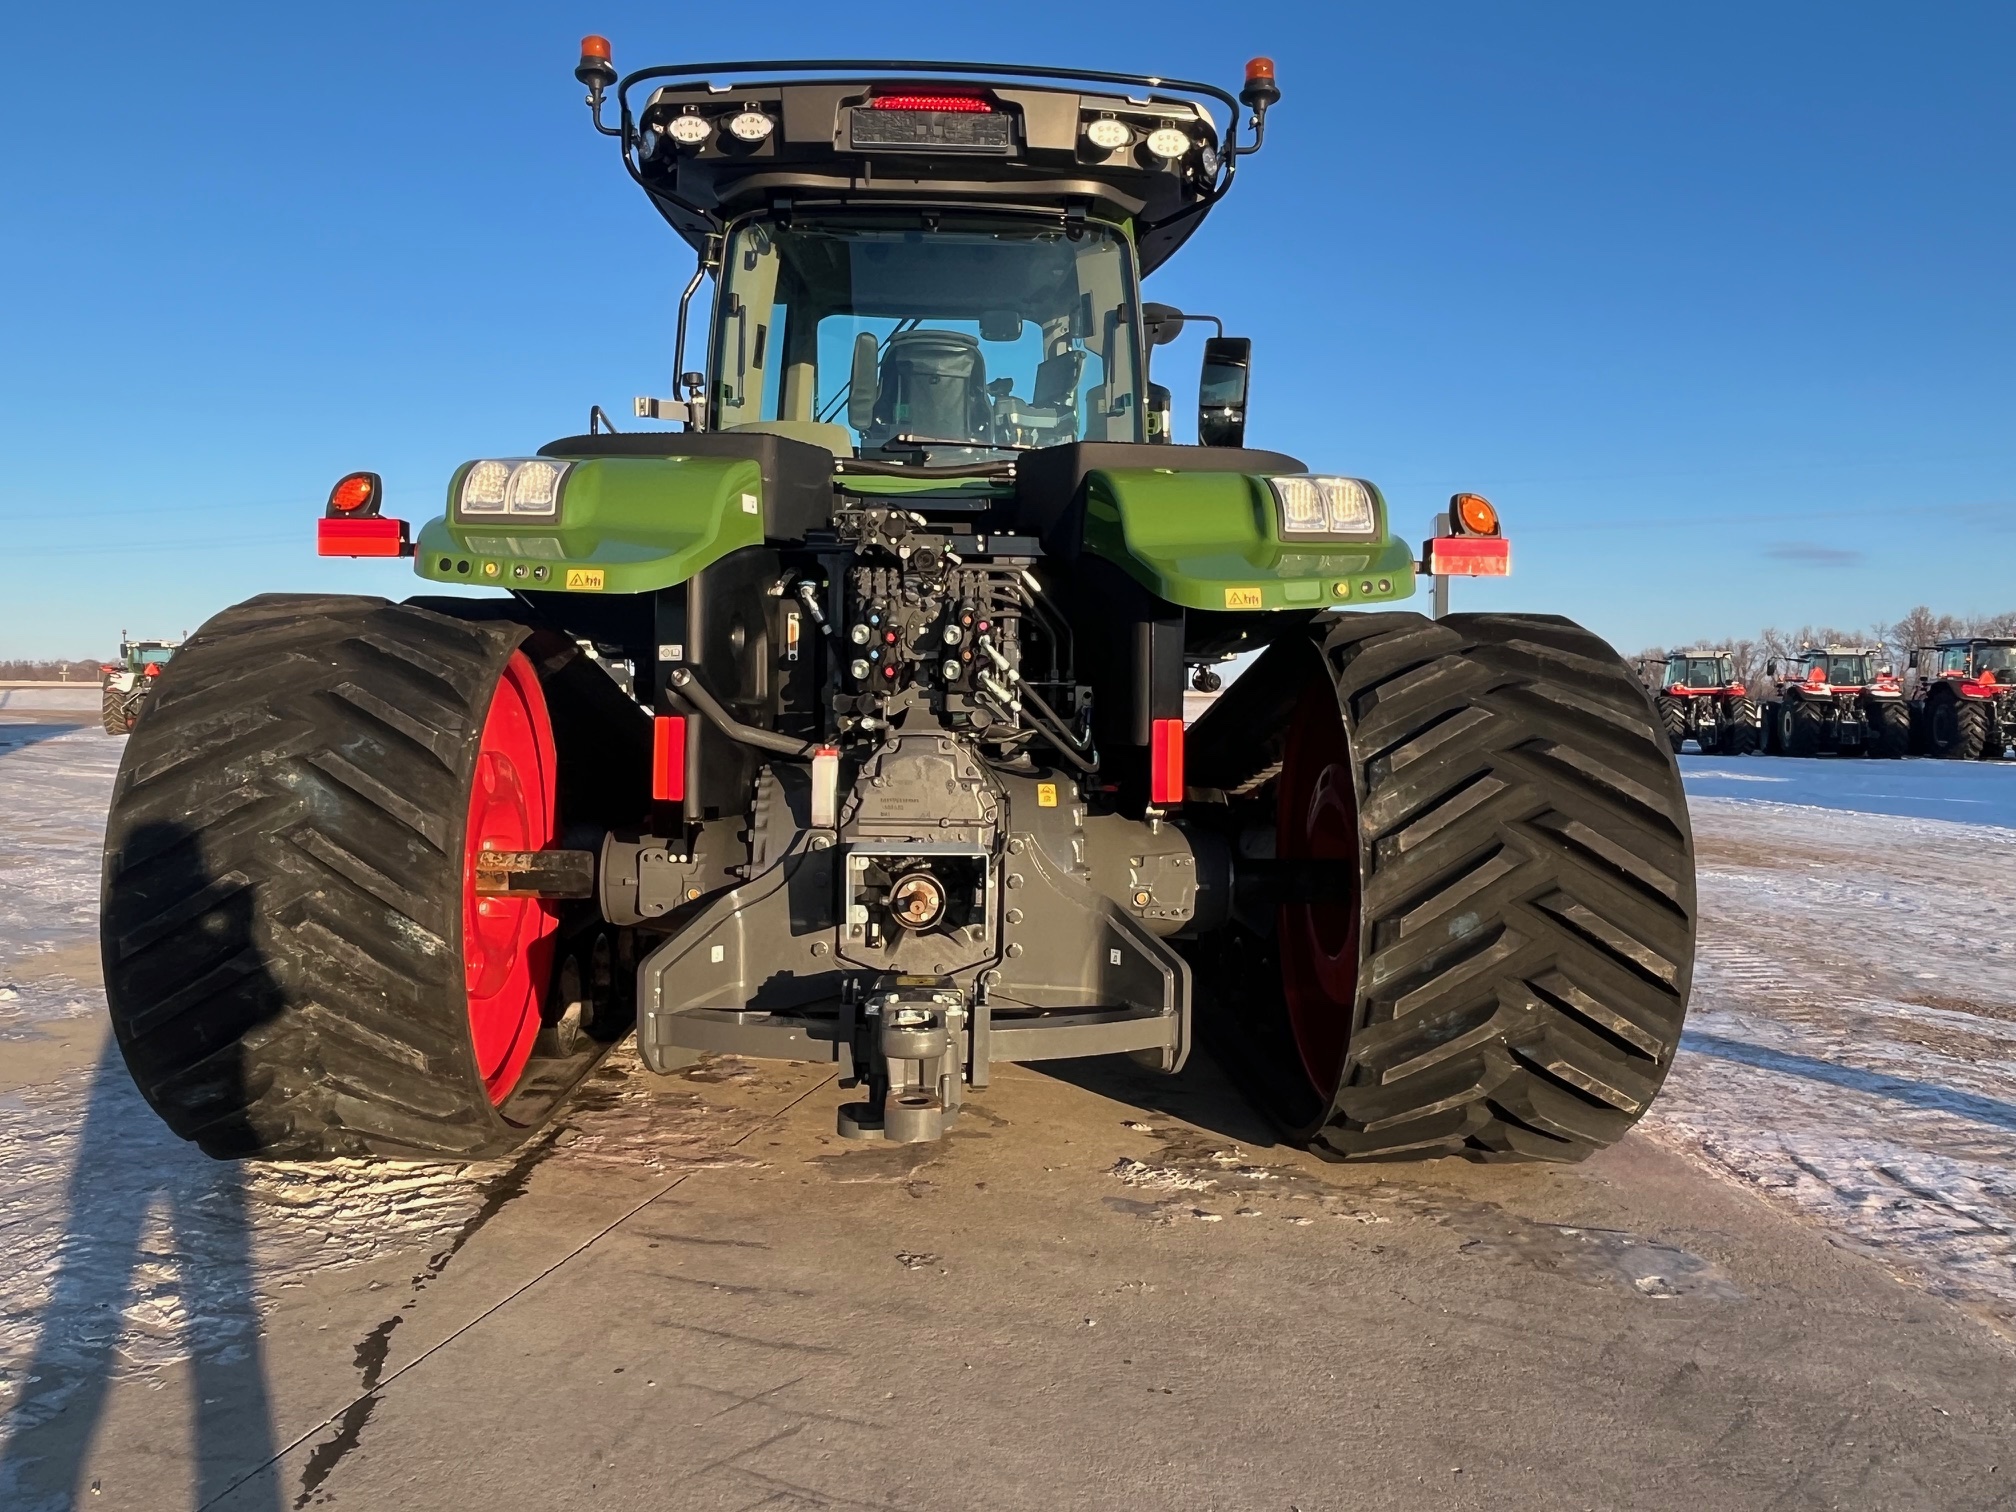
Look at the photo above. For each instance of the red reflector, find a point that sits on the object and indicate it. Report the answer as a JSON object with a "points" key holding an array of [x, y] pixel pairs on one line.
{"points": [[1469, 556], [353, 492], [374, 537], [958, 104], [1165, 762], [668, 758]]}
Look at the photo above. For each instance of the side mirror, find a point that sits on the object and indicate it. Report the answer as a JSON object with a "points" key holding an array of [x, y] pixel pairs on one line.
{"points": [[1221, 393], [862, 384]]}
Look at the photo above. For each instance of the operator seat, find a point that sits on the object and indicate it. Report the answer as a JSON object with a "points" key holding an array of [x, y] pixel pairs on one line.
{"points": [[933, 384]]}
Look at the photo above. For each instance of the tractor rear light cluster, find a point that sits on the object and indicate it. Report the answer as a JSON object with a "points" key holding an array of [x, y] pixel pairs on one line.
{"points": [[352, 526], [750, 126], [1169, 143], [528, 488], [1475, 545], [1314, 505]]}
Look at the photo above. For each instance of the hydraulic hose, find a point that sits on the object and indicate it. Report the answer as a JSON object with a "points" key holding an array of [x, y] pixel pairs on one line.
{"points": [[690, 689]]}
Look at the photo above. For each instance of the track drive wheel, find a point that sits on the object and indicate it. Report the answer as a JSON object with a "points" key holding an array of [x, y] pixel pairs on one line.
{"points": [[296, 960], [1743, 732], [1672, 719], [1889, 729], [1492, 950], [1955, 729]]}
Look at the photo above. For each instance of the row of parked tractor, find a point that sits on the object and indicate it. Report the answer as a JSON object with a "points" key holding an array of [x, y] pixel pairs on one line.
{"points": [[1957, 700]]}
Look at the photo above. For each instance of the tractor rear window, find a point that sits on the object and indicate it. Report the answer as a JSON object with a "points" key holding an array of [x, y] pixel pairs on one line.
{"points": [[968, 338], [1996, 659], [1845, 671], [1699, 672]]}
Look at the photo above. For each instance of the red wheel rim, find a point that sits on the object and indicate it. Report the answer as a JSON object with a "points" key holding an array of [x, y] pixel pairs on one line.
{"points": [[1317, 819], [507, 943]]}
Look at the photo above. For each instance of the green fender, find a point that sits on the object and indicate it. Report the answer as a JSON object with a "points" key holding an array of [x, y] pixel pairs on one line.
{"points": [[1213, 541], [626, 525]]}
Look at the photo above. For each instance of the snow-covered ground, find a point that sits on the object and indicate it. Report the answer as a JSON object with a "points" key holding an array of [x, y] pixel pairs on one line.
{"points": [[1964, 792], [1851, 1055], [1851, 1048]]}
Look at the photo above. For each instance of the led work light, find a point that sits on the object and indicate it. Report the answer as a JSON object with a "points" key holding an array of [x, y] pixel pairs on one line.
{"points": [[1316, 505], [527, 488]]}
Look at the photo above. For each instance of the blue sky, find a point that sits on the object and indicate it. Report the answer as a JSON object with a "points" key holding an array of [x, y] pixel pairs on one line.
{"points": [[1714, 301]]}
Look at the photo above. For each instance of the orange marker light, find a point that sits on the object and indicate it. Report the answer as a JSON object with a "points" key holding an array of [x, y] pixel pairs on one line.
{"points": [[1260, 68], [352, 492], [595, 47], [1474, 514]]}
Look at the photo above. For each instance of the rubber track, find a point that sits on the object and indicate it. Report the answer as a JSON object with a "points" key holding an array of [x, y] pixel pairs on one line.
{"points": [[282, 885], [1527, 883]]}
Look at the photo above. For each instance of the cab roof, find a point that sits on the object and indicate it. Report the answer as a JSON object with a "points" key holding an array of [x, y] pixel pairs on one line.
{"points": [[853, 135]]}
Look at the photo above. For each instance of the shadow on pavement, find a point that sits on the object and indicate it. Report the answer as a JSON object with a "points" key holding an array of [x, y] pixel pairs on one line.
{"points": [[156, 1254], [1928, 1095], [1199, 1094], [14, 736]]}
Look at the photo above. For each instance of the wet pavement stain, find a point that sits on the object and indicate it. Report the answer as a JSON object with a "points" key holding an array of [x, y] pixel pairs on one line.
{"points": [[370, 1361], [1195, 1177], [505, 1187]]}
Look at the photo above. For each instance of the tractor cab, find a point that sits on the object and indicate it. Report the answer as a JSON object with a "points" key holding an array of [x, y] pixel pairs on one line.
{"points": [[1975, 660], [933, 271], [1839, 669], [1700, 672]]}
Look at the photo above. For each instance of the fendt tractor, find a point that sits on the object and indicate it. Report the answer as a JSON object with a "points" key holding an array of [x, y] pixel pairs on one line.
{"points": [[1700, 699], [1838, 700], [840, 719], [1963, 698], [125, 683]]}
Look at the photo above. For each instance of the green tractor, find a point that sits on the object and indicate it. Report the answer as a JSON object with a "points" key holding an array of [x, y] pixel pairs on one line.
{"points": [[124, 684], [841, 718]]}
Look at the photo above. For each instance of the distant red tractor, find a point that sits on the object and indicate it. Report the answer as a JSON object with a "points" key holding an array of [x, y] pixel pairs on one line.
{"points": [[1963, 699], [1699, 699], [1839, 700]]}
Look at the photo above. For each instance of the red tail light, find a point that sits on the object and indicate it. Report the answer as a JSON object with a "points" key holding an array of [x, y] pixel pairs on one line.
{"points": [[1469, 556], [668, 758], [1165, 762], [349, 536], [957, 104]]}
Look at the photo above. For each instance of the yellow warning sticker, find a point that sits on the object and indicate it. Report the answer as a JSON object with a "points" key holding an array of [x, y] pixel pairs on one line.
{"points": [[1046, 795], [584, 577], [1243, 598]]}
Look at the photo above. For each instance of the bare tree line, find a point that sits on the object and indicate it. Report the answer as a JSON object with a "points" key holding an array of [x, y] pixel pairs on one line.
{"points": [[49, 671], [1920, 627]]}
